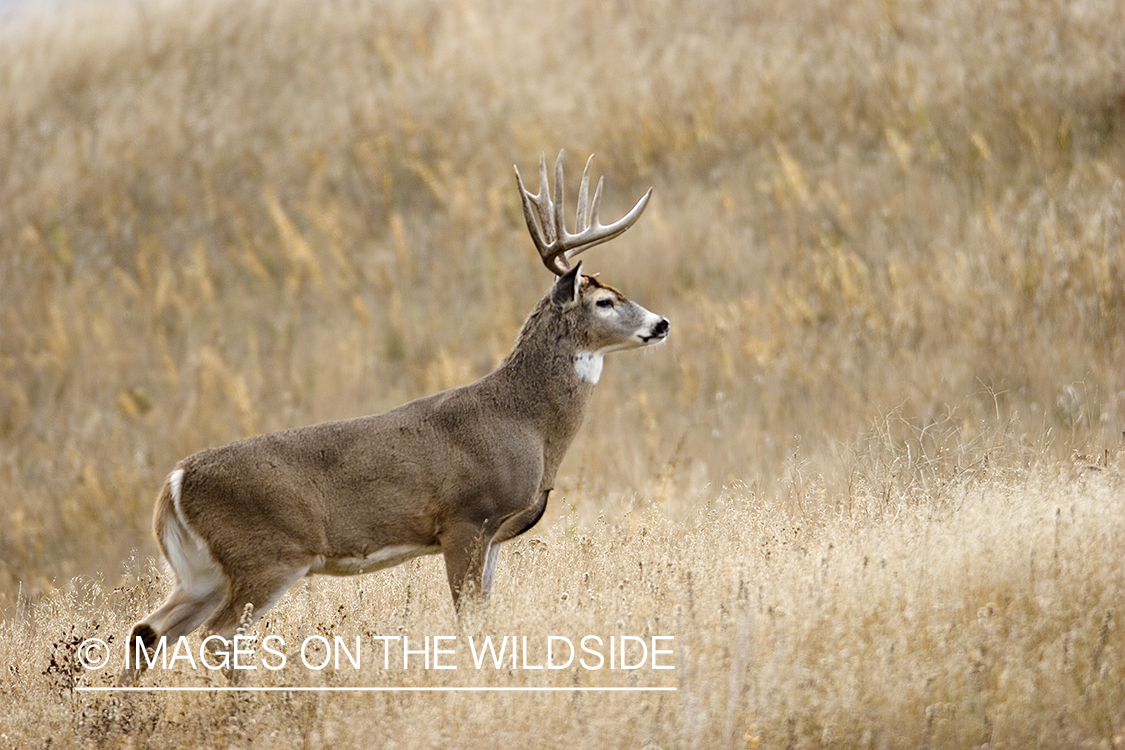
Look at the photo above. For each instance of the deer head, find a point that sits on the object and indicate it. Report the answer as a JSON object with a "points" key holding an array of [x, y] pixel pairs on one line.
{"points": [[597, 318]]}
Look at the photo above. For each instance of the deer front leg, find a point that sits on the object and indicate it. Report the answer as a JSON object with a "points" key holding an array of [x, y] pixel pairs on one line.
{"points": [[465, 547], [472, 549]]}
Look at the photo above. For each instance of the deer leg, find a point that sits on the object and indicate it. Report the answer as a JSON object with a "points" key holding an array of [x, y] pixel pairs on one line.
{"points": [[489, 569], [184, 610], [465, 547], [513, 526], [256, 586], [197, 592]]}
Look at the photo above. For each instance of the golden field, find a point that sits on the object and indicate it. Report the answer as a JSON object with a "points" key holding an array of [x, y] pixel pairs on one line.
{"points": [[873, 485]]}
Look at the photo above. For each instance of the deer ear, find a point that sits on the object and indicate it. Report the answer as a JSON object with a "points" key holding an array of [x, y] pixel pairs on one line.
{"points": [[568, 287]]}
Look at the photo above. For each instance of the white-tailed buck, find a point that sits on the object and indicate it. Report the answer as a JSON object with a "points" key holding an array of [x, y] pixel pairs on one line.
{"points": [[457, 472]]}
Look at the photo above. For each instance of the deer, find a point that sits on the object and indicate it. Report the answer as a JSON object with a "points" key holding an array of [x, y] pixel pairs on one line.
{"points": [[458, 472]]}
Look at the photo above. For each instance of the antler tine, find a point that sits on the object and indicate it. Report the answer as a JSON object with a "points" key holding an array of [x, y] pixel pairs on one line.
{"points": [[597, 233], [547, 224], [559, 219], [583, 218], [546, 213], [538, 213]]}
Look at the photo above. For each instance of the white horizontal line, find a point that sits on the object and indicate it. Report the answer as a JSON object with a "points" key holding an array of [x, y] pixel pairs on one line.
{"points": [[306, 689]]}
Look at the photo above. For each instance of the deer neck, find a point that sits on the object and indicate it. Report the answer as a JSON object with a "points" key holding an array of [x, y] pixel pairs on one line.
{"points": [[547, 376]]}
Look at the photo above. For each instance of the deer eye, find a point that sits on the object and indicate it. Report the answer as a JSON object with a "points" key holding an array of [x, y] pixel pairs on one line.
{"points": [[605, 303]]}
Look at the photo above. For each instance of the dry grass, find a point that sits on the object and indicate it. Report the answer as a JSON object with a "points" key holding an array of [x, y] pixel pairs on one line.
{"points": [[872, 484], [990, 616]]}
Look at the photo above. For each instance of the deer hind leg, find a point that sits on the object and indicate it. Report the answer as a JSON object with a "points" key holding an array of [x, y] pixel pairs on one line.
{"points": [[200, 586], [259, 586], [184, 611]]}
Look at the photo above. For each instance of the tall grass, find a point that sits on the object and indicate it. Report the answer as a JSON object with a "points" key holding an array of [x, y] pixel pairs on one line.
{"points": [[871, 482]]}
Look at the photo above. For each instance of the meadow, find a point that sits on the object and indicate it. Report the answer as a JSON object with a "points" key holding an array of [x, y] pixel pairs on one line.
{"points": [[872, 486]]}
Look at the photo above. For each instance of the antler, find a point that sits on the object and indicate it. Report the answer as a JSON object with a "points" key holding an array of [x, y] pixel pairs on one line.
{"points": [[547, 225]]}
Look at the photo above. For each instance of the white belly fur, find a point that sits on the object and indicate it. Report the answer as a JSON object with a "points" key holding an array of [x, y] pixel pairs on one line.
{"points": [[387, 557]]}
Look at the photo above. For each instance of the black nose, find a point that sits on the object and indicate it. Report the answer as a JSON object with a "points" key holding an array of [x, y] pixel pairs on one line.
{"points": [[661, 329]]}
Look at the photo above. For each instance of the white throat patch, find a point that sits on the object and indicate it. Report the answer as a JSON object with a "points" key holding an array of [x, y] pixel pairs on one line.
{"points": [[588, 365]]}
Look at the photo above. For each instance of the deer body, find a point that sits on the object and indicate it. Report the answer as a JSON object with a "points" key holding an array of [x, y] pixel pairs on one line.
{"points": [[458, 472]]}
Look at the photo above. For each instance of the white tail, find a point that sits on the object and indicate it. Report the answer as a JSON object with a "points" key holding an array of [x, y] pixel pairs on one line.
{"points": [[457, 472]]}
